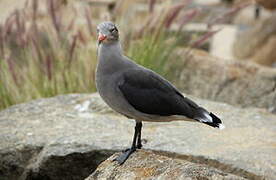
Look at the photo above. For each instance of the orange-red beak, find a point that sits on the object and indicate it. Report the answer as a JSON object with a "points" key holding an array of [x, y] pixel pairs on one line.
{"points": [[101, 37]]}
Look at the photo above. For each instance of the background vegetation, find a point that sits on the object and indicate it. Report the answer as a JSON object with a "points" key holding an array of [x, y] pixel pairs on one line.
{"points": [[50, 56]]}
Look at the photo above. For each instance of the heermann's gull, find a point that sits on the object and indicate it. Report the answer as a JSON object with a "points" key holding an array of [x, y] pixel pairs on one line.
{"points": [[139, 93]]}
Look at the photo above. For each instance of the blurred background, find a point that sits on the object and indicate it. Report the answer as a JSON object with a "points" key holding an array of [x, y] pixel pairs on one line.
{"points": [[48, 47], [217, 50]]}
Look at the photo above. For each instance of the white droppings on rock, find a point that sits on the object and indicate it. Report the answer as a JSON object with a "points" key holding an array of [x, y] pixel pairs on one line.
{"points": [[29, 134], [83, 107], [77, 107]]}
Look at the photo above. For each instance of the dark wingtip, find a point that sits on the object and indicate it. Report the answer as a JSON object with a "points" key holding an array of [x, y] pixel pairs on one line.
{"points": [[215, 119], [216, 122]]}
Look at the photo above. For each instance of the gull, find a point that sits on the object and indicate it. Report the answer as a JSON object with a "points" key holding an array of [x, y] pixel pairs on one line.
{"points": [[139, 93]]}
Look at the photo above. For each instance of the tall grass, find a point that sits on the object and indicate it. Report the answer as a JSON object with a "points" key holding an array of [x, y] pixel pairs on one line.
{"points": [[154, 53], [44, 59], [157, 43]]}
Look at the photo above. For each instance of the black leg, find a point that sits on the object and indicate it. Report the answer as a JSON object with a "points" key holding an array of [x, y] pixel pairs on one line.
{"points": [[124, 156], [139, 144]]}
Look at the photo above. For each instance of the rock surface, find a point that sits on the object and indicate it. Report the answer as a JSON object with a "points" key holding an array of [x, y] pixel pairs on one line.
{"points": [[234, 82], [257, 43], [268, 4], [66, 137], [222, 42], [149, 165]]}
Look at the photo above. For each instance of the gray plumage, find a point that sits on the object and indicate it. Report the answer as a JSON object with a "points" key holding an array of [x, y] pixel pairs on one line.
{"points": [[140, 93], [137, 92]]}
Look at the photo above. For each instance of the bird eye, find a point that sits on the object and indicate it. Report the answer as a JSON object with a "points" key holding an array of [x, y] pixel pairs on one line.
{"points": [[113, 30]]}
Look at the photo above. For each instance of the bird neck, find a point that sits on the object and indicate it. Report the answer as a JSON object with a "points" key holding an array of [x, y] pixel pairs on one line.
{"points": [[110, 57], [109, 50]]}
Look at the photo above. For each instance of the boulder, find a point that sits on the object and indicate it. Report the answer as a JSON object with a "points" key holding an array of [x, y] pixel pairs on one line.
{"points": [[257, 43], [268, 4], [66, 137], [250, 16], [221, 44], [238, 83], [151, 165]]}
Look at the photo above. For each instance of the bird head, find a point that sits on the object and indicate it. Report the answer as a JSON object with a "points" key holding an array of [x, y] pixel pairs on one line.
{"points": [[107, 32]]}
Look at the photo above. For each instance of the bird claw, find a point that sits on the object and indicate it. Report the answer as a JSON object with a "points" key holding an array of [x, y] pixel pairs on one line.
{"points": [[139, 146], [125, 150], [124, 156]]}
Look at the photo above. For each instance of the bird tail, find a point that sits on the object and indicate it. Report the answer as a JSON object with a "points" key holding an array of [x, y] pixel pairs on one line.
{"points": [[209, 119]]}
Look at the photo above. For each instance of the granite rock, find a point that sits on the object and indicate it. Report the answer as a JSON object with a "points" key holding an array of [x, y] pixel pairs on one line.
{"points": [[68, 136], [149, 165], [234, 82]]}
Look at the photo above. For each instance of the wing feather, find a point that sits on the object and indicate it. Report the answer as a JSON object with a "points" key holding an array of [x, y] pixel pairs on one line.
{"points": [[149, 93]]}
